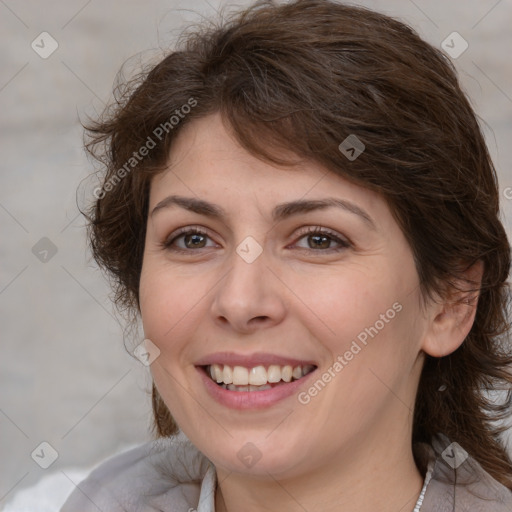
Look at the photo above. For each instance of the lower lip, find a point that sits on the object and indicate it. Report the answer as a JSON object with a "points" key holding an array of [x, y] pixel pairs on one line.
{"points": [[251, 399]]}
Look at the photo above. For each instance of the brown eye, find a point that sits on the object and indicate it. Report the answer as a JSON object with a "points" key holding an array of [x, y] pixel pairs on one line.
{"points": [[321, 239], [186, 240], [194, 240]]}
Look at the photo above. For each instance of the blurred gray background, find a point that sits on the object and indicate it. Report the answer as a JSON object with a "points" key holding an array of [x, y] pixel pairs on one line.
{"points": [[66, 377]]}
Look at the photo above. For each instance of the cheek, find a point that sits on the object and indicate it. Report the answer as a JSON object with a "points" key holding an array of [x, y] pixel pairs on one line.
{"points": [[368, 317], [343, 305], [154, 297], [162, 303], [172, 305]]}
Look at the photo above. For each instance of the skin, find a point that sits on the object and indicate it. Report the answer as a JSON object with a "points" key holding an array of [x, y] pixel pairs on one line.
{"points": [[349, 448]]}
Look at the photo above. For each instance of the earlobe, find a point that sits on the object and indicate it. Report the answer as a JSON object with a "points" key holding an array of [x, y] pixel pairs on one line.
{"points": [[451, 319]]}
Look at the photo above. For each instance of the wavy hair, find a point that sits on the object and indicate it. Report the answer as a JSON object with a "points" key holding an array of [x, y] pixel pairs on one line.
{"points": [[302, 76]]}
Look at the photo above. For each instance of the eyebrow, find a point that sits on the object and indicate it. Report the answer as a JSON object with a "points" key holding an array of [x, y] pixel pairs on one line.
{"points": [[279, 213]]}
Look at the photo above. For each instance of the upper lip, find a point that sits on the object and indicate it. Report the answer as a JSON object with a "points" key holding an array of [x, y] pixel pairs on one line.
{"points": [[251, 360]]}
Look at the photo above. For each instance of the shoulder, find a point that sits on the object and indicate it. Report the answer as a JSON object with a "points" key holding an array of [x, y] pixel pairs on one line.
{"points": [[459, 482], [167, 471]]}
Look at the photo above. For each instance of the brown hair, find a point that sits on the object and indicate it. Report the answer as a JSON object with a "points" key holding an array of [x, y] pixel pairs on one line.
{"points": [[303, 76]]}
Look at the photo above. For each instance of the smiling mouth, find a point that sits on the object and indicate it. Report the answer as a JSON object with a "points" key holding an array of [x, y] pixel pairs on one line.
{"points": [[258, 378]]}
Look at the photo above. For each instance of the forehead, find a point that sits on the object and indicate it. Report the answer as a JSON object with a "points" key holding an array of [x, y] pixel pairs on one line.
{"points": [[207, 162]]}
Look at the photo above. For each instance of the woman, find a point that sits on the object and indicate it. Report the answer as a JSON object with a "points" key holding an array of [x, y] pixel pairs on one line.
{"points": [[300, 205]]}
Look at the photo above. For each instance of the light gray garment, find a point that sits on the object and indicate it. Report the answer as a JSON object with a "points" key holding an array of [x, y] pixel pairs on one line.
{"points": [[172, 475], [463, 485]]}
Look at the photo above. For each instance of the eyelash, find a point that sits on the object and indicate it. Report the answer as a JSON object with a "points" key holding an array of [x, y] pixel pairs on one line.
{"points": [[316, 230]]}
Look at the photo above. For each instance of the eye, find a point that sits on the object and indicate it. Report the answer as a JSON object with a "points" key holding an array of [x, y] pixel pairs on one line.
{"points": [[320, 239], [191, 238]]}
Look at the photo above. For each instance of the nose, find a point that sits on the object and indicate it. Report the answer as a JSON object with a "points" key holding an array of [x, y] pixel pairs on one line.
{"points": [[249, 297]]}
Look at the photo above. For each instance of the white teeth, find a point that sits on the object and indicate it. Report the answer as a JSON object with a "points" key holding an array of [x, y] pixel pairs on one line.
{"points": [[218, 373], [227, 374], [260, 388], [286, 373], [232, 387], [258, 377], [240, 376], [274, 373]]}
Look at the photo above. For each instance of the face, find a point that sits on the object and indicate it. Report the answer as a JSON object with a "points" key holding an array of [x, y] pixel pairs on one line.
{"points": [[245, 282]]}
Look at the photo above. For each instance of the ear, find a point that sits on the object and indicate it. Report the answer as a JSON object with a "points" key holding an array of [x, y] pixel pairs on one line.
{"points": [[450, 320]]}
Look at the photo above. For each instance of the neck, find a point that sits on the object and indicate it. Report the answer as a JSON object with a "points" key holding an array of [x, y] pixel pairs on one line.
{"points": [[364, 478]]}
